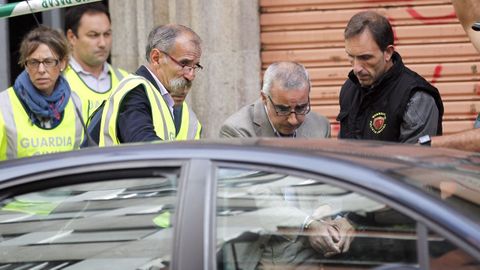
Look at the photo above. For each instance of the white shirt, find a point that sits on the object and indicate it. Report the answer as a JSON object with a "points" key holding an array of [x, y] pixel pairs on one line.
{"points": [[166, 96], [101, 84]]}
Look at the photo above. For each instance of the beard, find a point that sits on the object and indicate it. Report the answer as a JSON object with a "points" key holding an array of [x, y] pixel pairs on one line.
{"points": [[179, 86]]}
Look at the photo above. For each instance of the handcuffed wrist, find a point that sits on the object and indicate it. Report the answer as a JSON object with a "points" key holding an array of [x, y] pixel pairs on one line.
{"points": [[307, 222]]}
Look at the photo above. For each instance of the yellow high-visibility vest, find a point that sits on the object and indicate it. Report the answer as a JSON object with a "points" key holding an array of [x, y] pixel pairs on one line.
{"points": [[88, 95], [20, 138], [161, 116], [190, 127]]}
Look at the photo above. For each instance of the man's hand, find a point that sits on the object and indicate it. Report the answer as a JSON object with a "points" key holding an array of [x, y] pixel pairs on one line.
{"points": [[322, 238], [330, 237], [345, 232]]}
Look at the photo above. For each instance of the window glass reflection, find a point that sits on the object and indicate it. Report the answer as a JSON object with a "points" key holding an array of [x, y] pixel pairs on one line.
{"points": [[444, 255], [120, 224], [278, 221]]}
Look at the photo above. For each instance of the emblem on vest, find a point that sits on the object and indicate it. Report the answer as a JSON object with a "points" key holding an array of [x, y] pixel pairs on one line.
{"points": [[377, 122]]}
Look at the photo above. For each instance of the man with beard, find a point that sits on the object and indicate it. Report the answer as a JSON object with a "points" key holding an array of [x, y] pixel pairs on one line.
{"points": [[88, 30], [283, 109], [145, 105], [382, 99]]}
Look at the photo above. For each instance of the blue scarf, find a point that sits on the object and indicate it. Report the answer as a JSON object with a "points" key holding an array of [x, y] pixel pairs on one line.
{"points": [[49, 107]]}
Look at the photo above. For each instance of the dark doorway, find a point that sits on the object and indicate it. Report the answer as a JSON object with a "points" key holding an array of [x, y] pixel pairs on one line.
{"points": [[18, 27]]}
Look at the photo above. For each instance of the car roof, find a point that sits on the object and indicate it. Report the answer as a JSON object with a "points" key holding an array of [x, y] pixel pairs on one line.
{"points": [[375, 155]]}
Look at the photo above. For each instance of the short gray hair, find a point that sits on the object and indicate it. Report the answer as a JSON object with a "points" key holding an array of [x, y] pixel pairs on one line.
{"points": [[290, 75], [163, 38]]}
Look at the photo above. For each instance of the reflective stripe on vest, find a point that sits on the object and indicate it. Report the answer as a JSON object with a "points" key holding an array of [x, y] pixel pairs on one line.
{"points": [[79, 130], [190, 127], [26, 139], [10, 128], [162, 121], [88, 94]]}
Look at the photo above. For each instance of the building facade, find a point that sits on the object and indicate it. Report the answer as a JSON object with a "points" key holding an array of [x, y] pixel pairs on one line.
{"points": [[242, 37]]}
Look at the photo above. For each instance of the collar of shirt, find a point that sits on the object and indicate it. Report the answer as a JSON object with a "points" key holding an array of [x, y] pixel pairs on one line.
{"points": [[78, 68], [275, 131], [166, 96], [100, 84]]}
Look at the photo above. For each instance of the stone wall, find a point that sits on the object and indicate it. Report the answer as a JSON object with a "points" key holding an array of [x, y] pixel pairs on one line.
{"points": [[231, 49]]}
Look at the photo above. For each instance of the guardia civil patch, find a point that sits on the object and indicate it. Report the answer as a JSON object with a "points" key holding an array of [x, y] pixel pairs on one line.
{"points": [[378, 122]]}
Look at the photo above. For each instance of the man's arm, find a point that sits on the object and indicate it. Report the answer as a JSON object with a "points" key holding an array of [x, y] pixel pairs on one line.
{"points": [[468, 12], [467, 140], [134, 122], [420, 118], [327, 236]]}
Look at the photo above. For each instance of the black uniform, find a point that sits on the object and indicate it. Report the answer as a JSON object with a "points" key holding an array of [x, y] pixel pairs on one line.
{"points": [[377, 113]]}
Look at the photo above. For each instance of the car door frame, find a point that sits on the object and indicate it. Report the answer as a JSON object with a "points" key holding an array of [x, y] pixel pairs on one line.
{"points": [[379, 187]]}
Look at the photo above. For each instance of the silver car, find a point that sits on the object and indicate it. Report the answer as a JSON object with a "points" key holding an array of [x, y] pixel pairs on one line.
{"points": [[246, 204]]}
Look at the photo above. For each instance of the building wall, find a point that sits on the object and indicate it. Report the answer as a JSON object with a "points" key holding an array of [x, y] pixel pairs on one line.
{"points": [[231, 47], [239, 42], [230, 31], [427, 35]]}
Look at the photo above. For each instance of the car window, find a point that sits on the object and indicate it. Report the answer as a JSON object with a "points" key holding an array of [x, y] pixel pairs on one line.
{"points": [[445, 255], [458, 185], [117, 224], [269, 220]]}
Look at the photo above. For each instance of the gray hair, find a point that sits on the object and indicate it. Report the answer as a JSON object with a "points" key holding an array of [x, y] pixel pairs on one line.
{"points": [[290, 75], [163, 38]]}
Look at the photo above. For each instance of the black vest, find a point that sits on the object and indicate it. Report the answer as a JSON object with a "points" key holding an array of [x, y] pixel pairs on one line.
{"points": [[377, 113]]}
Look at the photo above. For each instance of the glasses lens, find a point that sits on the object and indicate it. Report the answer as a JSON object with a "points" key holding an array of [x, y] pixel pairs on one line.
{"points": [[187, 69], [50, 62], [286, 110], [302, 109], [32, 63], [283, 111]]}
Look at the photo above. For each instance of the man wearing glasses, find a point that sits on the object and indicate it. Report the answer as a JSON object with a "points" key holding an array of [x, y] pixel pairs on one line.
{"points": [[150, 104], [283, 109]]}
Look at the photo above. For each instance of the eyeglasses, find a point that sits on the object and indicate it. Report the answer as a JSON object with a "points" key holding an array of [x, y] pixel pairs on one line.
{"points": [[283, 110], [185, 68], [47, 63]]}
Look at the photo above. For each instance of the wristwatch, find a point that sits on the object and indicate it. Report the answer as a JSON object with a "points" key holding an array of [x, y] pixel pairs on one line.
{"points": [[425, 140]]}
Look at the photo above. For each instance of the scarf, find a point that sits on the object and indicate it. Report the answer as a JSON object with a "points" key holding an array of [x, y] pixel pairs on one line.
{"points": [[39, 105]]}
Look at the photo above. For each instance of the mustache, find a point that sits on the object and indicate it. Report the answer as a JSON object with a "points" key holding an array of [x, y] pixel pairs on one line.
{"points": [[361, 73], [180, 83]]}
